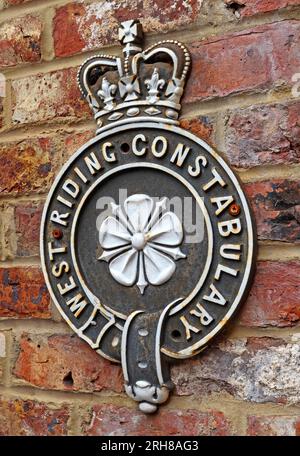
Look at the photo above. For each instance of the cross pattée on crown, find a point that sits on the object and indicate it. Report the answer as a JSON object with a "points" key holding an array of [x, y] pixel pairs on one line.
{"points": [[131, 36]]}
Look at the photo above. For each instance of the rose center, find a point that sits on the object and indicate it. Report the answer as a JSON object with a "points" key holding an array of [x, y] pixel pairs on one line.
{"points": [[129, 88], [138, 241]]}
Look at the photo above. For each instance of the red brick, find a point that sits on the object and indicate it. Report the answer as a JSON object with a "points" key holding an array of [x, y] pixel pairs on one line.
{"points": [[253, 59], [20, 41], [79, 27], [262, 135], [23, 293], [286, 56], [252, 7], [202, 126], [273, 425], [122, 421], [27, 222], [276, 207], [274, 299], [28, 417], [73, 141], [53, 95], [256, 370], [48, 362], [28, 165]]}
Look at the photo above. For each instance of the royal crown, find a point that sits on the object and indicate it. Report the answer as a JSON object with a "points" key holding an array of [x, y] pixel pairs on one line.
{"points": [[147, 84]]}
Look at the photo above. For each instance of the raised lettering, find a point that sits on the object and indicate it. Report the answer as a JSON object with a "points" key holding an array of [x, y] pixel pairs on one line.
{"points": [[62, 200], [230, 256], [196, 170], [205, 317], [71, 187], [56, 217], [222, 202], [180, 154], [161, 143], [108, 157], [60, 268], [135, 150], [55, 250], [216, 180], [229, 227], [67, 286], [188, 327], [222, 268], [215, 296], [92, 163], [76, 304], [80, 175]]}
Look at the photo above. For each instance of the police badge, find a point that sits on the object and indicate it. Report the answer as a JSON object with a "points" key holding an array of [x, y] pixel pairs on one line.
{"points": [[146, 238]]}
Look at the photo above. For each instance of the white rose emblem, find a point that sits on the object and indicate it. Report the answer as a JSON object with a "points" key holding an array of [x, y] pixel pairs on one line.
{"points": [[140, 242]]}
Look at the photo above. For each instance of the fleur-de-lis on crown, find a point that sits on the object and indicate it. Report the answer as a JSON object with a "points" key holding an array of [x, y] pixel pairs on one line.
{"points": [[154, 85], [107, 94]]}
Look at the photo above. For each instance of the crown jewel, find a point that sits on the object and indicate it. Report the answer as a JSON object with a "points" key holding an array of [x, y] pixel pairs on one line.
{"points": [[145, 84]]}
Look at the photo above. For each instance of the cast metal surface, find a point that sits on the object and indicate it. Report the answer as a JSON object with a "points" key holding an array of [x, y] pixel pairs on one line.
{"points": [[147, 241]]}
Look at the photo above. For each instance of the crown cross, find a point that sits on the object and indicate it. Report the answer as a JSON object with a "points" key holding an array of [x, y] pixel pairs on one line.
{"points": [[146, 83], [129, 88]]}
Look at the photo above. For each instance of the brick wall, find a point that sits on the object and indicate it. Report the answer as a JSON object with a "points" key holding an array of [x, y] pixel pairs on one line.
{"points": [[239, 99]]}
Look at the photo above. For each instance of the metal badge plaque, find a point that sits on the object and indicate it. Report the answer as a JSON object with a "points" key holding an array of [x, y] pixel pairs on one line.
{"points": [[147, 238]]}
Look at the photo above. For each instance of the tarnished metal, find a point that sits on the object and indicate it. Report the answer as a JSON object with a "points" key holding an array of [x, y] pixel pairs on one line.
{"points": [[57, 233], [155, 250], [234, 209]]}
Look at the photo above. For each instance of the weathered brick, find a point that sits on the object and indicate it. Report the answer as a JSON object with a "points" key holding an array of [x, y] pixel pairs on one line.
{"points": [[28, 165], [7, 232], [79, 27], [253, 59], [48, 362], [27, 224], [254, 369], [273, 426], [202, 126], [20, 41], [214, 13], [122, 421], [14, 2], [274, 298], [262, 135], [276, 207], [28, 417], [73, 141], [23, 293], [50, 96], [251, 7]]}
